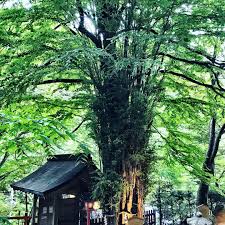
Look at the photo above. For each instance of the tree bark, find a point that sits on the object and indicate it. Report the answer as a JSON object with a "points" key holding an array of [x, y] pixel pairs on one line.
{"points": [[202, 197], [209, 163], [131, 202]]}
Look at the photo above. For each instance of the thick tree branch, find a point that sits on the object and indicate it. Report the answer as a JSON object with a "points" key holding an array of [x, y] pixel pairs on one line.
{"points": [[196, 51], [211, 141], [215, 74], [5, 157], [71, 30], [64, 24], [187, 78], [188, 100], [212, 59], [82, 28], [63, 80], [221, 175], [213, 88], [217, 142], [79, 125], [204, 54], [195, 62], [3, 176], [207, 64]]}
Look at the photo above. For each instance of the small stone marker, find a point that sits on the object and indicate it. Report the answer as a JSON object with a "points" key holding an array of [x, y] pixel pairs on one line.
{"points": [[135, 221]]}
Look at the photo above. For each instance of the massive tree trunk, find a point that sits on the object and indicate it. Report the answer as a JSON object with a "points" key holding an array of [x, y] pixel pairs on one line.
{"points": [[122, 109], [209, 163], [131, 202], [123, 125]]}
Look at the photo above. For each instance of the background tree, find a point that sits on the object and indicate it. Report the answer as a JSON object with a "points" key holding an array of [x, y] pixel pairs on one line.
{"points": [[176, 205], [209, 163]]}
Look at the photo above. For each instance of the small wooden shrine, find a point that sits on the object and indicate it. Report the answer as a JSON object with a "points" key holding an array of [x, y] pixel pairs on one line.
{"points": [[60, 188]]}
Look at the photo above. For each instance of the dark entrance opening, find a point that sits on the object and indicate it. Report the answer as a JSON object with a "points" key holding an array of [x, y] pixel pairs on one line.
{"points": [[68, 212]]}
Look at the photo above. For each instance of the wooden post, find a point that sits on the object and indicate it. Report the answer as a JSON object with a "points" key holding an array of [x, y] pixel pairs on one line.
{"points": [[55, 210], [26, 211], [34, 210], [26, 203], [88, 216]]}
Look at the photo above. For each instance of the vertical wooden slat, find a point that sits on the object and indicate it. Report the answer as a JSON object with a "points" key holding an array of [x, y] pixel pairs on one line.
{"points": [[34, 210], [151, 216], [154, 218]]}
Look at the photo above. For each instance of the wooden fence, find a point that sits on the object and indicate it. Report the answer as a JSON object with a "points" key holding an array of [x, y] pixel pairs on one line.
{"points": [[25, 220], [149, 219], [98, 221], [102, 221]]}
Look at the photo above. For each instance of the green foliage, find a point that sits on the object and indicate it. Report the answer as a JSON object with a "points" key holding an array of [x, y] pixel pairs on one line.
{"points": [[108, 186], [175, 205], [4, 221], [5, 208]]}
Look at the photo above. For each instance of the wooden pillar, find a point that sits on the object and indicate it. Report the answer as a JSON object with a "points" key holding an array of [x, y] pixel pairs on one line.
{"points": [[26, 210], [26, 203], [55, 210], [88, 216], [39, 210], [34, 210]]}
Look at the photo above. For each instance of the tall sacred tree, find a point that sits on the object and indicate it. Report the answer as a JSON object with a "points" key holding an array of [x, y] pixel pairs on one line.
{"points": [[121, 59]]}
